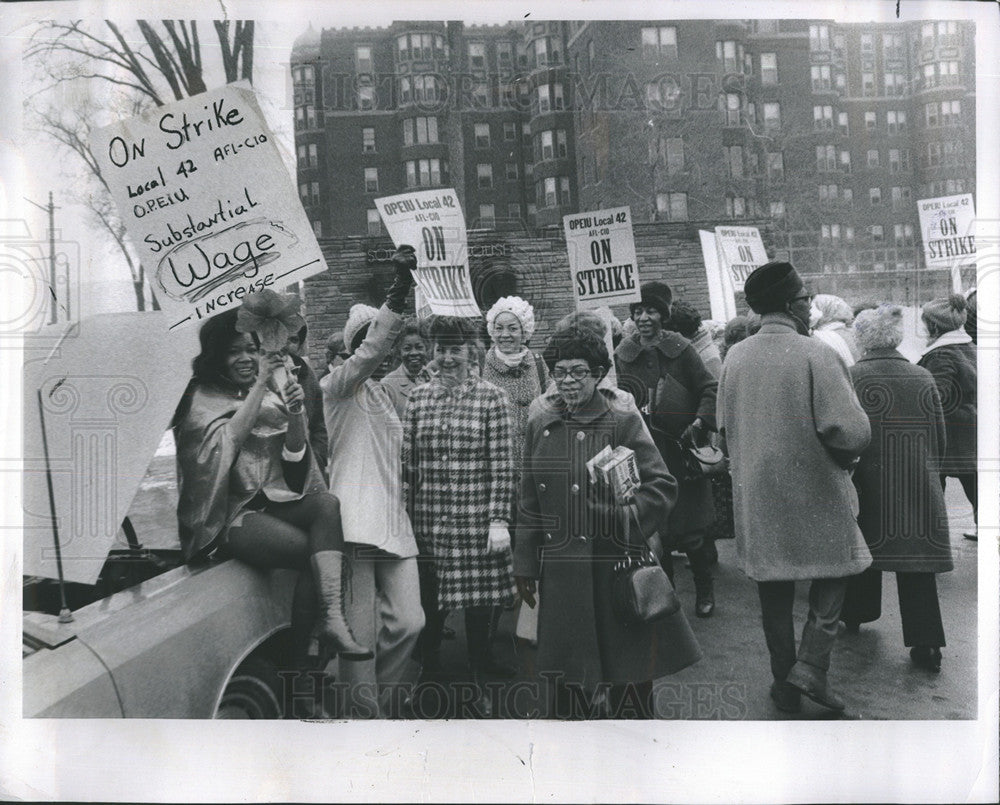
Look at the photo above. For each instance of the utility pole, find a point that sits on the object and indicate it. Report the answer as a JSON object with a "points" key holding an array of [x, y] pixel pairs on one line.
{"points": [[51, 209]]}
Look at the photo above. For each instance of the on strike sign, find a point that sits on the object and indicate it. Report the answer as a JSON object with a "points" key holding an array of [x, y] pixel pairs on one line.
{"points": [[947, 225], [740, 252], [207, 202], [431, 221], [602, 263]]}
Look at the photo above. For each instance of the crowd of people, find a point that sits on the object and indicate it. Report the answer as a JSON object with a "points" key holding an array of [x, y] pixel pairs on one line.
{"points": [[442, 465]]}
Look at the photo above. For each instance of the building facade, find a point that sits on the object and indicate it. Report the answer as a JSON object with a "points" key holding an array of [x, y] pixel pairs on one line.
{"points": [[830, 131]]}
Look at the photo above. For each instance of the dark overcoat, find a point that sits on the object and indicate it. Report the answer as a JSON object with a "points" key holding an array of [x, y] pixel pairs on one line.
{"points": [[902, 510], [569, 537], [954, 370], [683, 389], [793, 427]]}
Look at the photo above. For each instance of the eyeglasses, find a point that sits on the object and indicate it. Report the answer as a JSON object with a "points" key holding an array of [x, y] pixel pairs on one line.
{"points": [[577, 373]]}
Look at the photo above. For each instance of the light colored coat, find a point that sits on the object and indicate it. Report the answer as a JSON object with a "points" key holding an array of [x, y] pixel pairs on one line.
{"points": [[366, 439], [793, 426]]}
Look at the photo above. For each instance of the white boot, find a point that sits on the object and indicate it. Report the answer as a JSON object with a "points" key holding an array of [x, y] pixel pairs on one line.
{"points": [[333, 627]]}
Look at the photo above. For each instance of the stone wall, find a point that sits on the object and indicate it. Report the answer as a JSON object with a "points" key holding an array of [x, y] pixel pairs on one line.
{"points": [[536, 267]]}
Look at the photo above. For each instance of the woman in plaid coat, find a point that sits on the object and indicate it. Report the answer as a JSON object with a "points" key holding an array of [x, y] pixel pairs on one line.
{"points": [[459, 462]]}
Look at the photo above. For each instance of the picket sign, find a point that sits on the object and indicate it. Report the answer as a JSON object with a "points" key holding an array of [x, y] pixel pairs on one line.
{"points": [[433, 223], [208, 202], [947, 229]]}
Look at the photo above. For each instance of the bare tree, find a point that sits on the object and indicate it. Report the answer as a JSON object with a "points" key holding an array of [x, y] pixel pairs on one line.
{"points": [[134, 72]]}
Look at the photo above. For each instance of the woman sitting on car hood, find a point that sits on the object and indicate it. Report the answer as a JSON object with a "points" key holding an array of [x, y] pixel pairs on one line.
{"points": [[249, 485]]}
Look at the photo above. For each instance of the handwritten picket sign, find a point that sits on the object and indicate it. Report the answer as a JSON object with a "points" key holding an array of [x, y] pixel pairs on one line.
{"points": [[602, 262], [208, 202], [432, 222]]}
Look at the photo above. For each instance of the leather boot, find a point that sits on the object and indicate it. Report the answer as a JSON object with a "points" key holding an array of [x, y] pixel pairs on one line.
{"points": [[333, 627], [704, 584]]}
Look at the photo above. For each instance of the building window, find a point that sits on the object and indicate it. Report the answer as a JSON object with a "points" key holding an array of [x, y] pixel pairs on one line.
{"points": [[673, 206], [867, 43], [730, 107], [847, 195], [308, 155], [317, 228], [371, 180], [509, 130], [872, 158], [374, 223], [425, 172], [842, 124], [769, 68], [425, 88], [948, 72], [404, 90], [776, 166], [482, 134], [510, 170], [896, 121], [487, 216], [366, 98], [828, 192], [673, 154], [876, 233], [564, 194], [871, 121], [421, 47], [895, 84], [900, 197], [368, 140], [868, 84], [736, 206], [819, 37], [659, 42], [933, 155], [484, 174], [309, 193], [477, 55], [899, 160], [820, 74], [504, 60], [777, 209], [826, 158], [733, 156], [822, 118], [845, 161], [513, 212], [420, 130], [730, 55], [874, 196], [903, 234], [363, 59], [560, 142], [550, 192], [305, 117], [546, 146], [772, 117], [591, 53]]}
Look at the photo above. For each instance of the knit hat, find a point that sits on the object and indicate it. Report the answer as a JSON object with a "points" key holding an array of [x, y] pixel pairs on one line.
{"points": [[771, 285], [879, 328], [360, 316], [945, 314], [656, 295], [515, 305], [832, 308]]}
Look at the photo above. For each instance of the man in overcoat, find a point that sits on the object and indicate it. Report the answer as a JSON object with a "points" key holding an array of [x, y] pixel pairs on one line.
{"points": [[794, 428]]}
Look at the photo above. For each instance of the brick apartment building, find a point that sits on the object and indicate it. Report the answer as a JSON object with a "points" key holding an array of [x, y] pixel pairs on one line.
{"points": [[829, 131]]}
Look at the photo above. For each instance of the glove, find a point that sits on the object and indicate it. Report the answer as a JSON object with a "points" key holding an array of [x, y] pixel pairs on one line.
{"points": [[526, 589], [499, 538], [692, 434], [403, 261]]}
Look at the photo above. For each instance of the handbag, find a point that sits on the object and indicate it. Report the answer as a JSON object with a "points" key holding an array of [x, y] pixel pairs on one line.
{"points": [[704, 461], [640, 589]]}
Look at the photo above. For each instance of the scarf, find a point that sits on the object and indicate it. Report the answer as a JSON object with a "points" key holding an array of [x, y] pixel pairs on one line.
{"points": [[510, 360], [958, 336]]}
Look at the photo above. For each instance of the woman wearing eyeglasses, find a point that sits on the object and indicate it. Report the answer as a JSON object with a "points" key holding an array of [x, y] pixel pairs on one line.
{"points": [[570, 533]]}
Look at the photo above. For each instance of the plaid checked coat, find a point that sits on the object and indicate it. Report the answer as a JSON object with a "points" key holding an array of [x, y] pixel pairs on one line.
{"points": [[459, 460]]}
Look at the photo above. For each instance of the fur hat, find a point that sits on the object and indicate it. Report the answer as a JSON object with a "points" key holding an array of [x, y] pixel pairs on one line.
{"points": [[879, 328], [945, 314], [360, 316], [771, 286], [516, 306], [656, 295]]}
